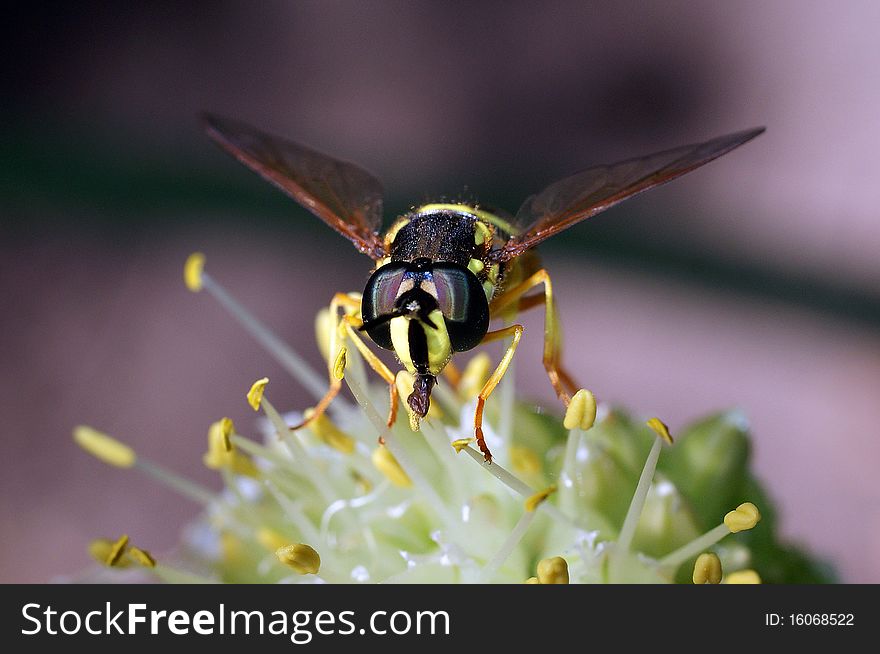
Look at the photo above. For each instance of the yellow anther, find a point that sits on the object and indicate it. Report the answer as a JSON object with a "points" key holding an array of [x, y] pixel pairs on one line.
{"points": [[222, 454], [553, 571], [532, 502], [660, 428], [219, 446], [707, 569], [226, 429], [532, 580], [100, 549], [242, 465], [192, 271], [116, 550], [581, 411], [474, 376], [142, 556], [339, 364], [301, 557], [742, 577], [271, 539], [743, 518], [364, 485], [255, 395], [323, 428], [524, 460], [104, 447], [384, 460], [324, 326], [462, 443]]}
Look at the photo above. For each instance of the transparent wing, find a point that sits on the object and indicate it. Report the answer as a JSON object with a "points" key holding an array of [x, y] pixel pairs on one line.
{"points": [[594, 190], [341, 194]]}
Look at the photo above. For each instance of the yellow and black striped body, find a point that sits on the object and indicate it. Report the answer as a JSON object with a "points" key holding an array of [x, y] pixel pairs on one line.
{"points": [[430, 296]]}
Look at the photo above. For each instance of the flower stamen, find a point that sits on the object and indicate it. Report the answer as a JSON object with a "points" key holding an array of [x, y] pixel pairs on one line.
{"points": [[659, 427], [271, 539], [628, 530], [707, 569], [142, 556], [255, 394], [301, 557], [517, 485], [535, 500], [296, 450], [330, 434], [419, 481], [747, 519], [385, 462], [339, 363], [474, 376], [581, 411], [120, 553], [553, 571], [104, 447], [116, 550], [512, 540], [743, 518], [222, 455], [742, 577], [115, 453], [100, 549], [192, 271], [462, 443]]}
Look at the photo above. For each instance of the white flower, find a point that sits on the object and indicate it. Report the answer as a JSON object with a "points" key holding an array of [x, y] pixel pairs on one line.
{"points": [[347, 499]]}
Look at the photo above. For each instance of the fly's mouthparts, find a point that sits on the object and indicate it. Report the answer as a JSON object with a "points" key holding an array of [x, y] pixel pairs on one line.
{"points": [[420, 399]]}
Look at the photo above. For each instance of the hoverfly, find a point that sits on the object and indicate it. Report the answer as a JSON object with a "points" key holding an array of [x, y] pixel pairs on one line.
{"points": [[443, 271]]}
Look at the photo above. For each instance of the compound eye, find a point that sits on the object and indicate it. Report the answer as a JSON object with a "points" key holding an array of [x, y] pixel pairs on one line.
{"points": [[462, 301], [379, 297]]}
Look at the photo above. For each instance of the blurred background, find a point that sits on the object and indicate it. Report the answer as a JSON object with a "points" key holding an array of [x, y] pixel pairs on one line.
{"points": [[751, 283]]}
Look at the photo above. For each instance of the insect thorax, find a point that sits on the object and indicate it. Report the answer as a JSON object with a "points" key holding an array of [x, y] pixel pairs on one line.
{"points": [[453, 233]]}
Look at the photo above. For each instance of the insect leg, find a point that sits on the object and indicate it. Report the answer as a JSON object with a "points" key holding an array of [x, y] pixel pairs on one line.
{"points": [[494, 378], [526, 303], [559, 378]]}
